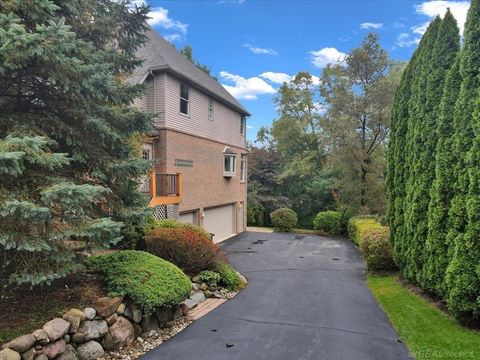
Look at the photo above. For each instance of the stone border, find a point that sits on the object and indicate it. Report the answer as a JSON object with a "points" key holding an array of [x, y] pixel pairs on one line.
{"points": [[108, 328]]}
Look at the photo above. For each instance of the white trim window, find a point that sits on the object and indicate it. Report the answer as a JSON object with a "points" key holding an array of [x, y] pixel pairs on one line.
{"points": [[184, 100], [229, 165], [210, 109], [243, 168], [243, 122]]}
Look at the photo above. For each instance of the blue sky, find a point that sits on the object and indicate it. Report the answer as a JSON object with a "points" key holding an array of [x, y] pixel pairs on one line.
{"points": [[253, 45]]}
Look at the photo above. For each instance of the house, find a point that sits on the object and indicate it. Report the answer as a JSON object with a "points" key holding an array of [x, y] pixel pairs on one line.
{"points": [[198, 145]]}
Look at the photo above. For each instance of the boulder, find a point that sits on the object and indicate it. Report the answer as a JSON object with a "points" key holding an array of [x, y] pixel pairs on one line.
{"points": [[164, 315], [69, 354], [41, 357], [137, 315], [89, 330], [128, 313], [29, 354], [208, 294], [74, 322], [198, 297], [106, 306], [195, 286], [89, 313], [196, 279], [9, 354], [203, 286], [41, 337], [121, 309], [21, 343], [149, 322], [78, 313], [177, 313], [111, 319], [90, 350], [119, 334], [137, 331], [56, 328], [54, 349]]}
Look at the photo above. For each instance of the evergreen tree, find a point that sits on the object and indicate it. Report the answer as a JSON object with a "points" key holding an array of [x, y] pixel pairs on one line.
{"points": [[418, 150], [463, 275], [68, 169]]}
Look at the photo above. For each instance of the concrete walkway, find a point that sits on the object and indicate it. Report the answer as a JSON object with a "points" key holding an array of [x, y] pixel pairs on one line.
{"points": [[306, 299]]}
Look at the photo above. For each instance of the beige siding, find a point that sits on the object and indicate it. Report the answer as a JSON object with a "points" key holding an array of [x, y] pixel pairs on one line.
{"points": [[225, 126], [154, 98]]}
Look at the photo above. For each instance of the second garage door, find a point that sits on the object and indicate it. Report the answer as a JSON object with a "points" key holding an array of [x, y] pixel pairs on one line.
{"points": [[220, 221]]}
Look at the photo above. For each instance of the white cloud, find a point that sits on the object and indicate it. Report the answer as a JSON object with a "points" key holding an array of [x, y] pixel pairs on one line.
{"points": [[325, 56], [370, 25], [259, 50], [249, 127], [159, 16], [406, 40], [459, 10], [420, 28], [172, 37], [275, 77], [244, 88]]}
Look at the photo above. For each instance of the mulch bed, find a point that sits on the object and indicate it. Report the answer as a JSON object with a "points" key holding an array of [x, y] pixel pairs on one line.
{"points": [[24, 309]]}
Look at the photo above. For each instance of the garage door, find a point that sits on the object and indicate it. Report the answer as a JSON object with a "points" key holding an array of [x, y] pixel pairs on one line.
{"points": [[220, 222], [189, 217]]}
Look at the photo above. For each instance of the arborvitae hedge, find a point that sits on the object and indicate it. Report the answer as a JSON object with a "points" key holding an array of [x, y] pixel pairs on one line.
{"points": [[434, 164]]}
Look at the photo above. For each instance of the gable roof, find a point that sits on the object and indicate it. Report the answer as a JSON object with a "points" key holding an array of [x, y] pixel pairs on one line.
{"points": [[159, 55]]}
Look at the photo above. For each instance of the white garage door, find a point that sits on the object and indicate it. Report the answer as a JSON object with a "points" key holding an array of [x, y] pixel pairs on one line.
{"points": [[189, 217], [220, 222]]}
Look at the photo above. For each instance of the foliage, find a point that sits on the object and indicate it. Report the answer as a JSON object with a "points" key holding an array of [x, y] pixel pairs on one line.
{"points": [[67, 168], [328, 221], [347, 213], [229, 277], [377, 249], [426, 331], [284, 219], [188, 250], [144, 278], [360, 226], [187, 51], [175, 224], [211, 278]]}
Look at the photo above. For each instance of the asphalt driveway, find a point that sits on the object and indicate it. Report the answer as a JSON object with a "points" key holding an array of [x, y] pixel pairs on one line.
{"points": [[306, 299]]}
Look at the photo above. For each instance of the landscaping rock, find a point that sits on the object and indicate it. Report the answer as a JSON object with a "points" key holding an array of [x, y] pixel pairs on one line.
{"points": [[208, 294], [90, 330], [177, 313], [243, 279], [41, 337], [186, 306], [74, 322], [195, 287], [21, 343], [89, 313], [56, 328], [121, 309], [106, 306], [119, 334], [54, 349], [137, 330], [164, 315], [111, 319], [90, 350], [29, 354], [149, 322], [69, 354], [38, 347], [41, 357], [66, 337], [9, 354], [198, 297], [76, 312], [137, 315], [203, 286], [196, 279], [128, 312]]}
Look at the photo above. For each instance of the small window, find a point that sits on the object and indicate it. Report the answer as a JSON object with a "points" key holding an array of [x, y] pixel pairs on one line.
{"points": [[242, 125], [210, 109], [243, 168], [147, 151], [229, 164], [184, 105]]}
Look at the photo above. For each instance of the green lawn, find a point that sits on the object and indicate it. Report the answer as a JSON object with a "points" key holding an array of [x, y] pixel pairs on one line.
{"points": [[428, 332]]}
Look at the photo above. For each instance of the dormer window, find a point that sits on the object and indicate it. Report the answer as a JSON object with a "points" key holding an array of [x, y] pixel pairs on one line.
{"points": [[242, 125], [210, 109], [184, 102], [229, 162]]}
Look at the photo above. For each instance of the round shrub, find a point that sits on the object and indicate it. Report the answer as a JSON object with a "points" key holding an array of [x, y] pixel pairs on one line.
{"points": [[328, 221], [359, 225], [144, 278], [377, 250], [177, 225], [229, 277], [284, 219], [211, 278], [187, 249]]}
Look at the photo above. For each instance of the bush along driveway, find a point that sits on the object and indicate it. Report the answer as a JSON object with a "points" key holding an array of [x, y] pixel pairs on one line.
{"points": [[306, 299]]}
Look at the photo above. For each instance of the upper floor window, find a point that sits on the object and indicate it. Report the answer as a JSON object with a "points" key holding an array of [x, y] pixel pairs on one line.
{"points": [[184, 102], [210, 109], [243, 167], [243, 121]]}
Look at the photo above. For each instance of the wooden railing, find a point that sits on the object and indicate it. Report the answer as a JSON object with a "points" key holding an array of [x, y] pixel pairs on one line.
{"points": [[164, 189]]}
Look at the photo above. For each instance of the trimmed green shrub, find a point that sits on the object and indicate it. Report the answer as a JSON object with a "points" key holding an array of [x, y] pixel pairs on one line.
{"points": [[229, 277], [284, 219], [144, 278], [178, 225], [359, 225], [188, 250], [211, 278], [328, 221], [347, 214], [377, 249]]}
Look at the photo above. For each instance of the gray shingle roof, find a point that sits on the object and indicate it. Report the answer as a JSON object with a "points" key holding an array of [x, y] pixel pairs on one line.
{"points": [[158, 54]]}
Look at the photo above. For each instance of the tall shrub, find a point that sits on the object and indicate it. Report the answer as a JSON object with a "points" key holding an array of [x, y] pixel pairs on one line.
{"points": [[67, 167]]}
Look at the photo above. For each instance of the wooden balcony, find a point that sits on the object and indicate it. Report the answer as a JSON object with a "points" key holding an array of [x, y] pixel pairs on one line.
{"points": [[164, 189]]}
